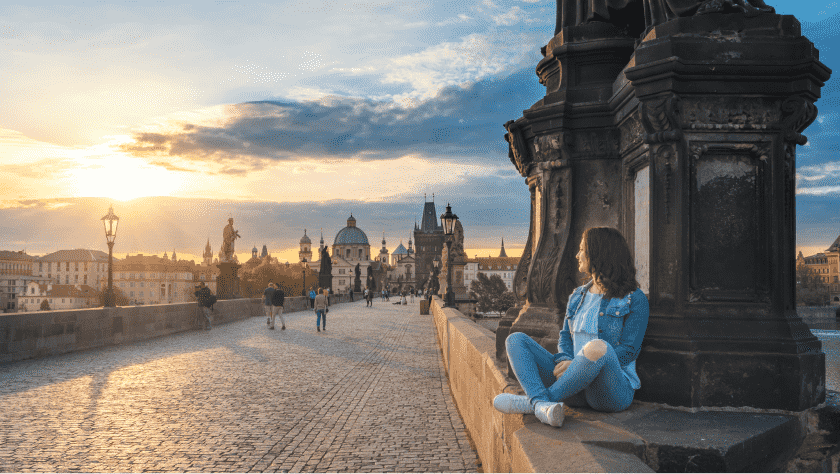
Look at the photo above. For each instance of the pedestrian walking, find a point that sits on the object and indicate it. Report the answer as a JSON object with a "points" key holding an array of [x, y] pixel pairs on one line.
{"points": [[322, 305], [351, 295], [412, 295], [205, 299], [369, 297], [602, 334], [267, 295], [278, 298], [312, 296], [402, 298]]}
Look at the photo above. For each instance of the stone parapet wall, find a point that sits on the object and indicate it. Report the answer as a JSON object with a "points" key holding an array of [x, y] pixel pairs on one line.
{"points": [[45, 333], [474, 379], [646, 437]]}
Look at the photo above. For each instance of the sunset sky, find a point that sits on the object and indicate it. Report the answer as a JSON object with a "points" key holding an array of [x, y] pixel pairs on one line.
{"points": [[295, 104]]}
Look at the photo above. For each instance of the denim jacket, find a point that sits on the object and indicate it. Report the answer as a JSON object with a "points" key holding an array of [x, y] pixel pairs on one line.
{"points": [[621, 323]]}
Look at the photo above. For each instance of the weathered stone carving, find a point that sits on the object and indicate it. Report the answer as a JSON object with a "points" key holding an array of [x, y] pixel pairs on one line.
{"points": [[738, 113], [659, 118], [548, 148], [594, 143], [626, 14], [799, 113], [517, 149], [659, 11], [631, 133]]}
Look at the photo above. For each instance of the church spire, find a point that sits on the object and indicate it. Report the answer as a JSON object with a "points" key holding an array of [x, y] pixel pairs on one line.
{"points": [[502, 253]]}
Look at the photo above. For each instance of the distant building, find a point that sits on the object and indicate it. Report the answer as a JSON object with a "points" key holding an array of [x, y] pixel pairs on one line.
{"points": [[827, 266], [207, 255], [429, 240], [149, 279], [59, 297], [16, 271], [305, 253], [74, 267], [502, 265]]}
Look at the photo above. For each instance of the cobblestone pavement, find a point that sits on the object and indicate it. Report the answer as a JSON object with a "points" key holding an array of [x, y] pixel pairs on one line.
{"points": [[369, 394]]}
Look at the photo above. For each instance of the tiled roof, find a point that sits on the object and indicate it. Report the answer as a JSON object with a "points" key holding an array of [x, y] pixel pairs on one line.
{"points": [[70, 291], [835, 246], [497, 263], [400, 250], [12, 255], [76, 255]]}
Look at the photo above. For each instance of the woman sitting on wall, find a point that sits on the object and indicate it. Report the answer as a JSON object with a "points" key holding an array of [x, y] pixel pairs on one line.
{"points": [[601, 337]]}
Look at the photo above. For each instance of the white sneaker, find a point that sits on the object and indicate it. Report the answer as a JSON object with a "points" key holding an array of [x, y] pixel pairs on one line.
{"points": [[550, 413], [512, 404]]}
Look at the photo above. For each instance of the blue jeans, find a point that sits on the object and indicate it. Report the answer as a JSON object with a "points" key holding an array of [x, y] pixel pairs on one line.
{"points": [[600, 383], [321, 314]]}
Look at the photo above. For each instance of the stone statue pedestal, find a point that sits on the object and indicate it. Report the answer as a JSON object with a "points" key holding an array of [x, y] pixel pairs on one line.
{"points": [[458, 286], [227, 283], [688, 148], [566, 148], [722, 100]]}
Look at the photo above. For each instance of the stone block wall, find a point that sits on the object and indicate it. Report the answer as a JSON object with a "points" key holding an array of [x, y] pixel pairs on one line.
{"points": [[45, 333], [474, 379]]}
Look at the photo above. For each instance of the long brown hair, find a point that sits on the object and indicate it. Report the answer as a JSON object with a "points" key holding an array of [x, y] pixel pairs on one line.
{"points": [[610, 262]]}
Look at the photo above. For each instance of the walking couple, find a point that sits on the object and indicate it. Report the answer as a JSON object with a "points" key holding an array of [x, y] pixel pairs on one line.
{"points": [[274, 299]]}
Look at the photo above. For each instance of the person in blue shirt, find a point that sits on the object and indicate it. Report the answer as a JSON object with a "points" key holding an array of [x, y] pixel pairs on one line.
{"points": [[602, 335], [312, 296]]}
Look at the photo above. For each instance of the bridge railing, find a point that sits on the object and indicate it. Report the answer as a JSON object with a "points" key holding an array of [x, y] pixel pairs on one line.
{"points": [[44, 333]]}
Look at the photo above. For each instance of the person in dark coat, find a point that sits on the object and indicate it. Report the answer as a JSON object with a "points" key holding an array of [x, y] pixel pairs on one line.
{"points": [[205, 299]]}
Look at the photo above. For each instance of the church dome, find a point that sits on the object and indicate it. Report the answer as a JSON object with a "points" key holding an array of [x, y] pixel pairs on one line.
{"points": [[351, 235], [400, 250], [305, 239]]}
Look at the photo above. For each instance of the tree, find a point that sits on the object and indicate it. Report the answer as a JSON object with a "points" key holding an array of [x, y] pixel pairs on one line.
{"points": [[506, 301], [489, 291], [811, 290], [120, 299], [45, 305]]}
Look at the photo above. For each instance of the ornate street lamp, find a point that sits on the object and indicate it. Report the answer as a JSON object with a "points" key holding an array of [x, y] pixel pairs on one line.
{"points": [[448, 220], [110, 221]]}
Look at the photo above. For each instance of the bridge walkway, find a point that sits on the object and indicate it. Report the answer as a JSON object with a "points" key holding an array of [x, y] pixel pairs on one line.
{"points": [[369, 394]]}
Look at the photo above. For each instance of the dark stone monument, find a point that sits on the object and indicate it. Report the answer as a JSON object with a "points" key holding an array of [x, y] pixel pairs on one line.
{"points": [[325, 272], [357, 282], [370, 281], [686, 143], [227, 283]]}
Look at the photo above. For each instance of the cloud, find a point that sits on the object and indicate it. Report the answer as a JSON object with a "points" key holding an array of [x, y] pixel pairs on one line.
{"points": [[819, 180], [460, 122], [511, 17]]}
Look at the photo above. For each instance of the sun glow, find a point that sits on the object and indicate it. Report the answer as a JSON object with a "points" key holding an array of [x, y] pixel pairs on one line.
{"points": [[122, 178]]}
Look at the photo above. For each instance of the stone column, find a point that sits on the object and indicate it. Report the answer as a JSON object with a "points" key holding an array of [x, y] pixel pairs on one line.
{"points": [[566, 148], [722, 101]]}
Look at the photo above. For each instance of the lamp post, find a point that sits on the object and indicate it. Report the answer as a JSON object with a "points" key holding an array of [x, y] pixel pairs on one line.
{"points": [[110, 221], [448, 220], [305, 267]]}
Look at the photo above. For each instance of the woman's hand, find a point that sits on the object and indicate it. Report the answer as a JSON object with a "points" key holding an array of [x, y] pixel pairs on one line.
{"points": [[561, 367]]}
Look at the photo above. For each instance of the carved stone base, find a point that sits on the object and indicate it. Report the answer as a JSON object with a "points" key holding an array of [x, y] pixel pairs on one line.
{"points": [[541, 323], [503, 331], [791, 382], [227, 283], [724, 99]]}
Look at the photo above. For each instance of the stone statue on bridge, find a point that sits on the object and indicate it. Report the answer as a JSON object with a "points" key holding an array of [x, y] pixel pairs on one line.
{"points": [[635, 16], [229, 236]]}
